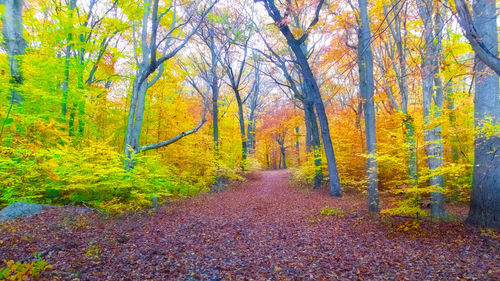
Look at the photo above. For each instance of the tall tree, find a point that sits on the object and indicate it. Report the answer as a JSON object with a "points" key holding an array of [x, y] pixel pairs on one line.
{"points": [[67, 60], [151, 39], [12, 30], [481, 31], [298, 90], [365, 66], [310, 83], [211, 38], [280, 139], [432, 90], [397, 27], [254, 105], [237, 45]]}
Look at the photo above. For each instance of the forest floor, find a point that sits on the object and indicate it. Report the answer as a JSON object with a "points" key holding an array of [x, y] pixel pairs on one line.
{"points": [[262, 229]]}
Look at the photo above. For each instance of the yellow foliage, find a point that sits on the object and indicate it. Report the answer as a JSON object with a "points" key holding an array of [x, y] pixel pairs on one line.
{"points": [[17, 271]]}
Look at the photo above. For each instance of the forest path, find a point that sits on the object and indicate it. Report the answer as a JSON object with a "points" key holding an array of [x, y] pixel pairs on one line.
{"points": [[262, 229]]}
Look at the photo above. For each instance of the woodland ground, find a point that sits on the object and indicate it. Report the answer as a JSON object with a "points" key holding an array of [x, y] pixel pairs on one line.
{"points": [[259, 230]]}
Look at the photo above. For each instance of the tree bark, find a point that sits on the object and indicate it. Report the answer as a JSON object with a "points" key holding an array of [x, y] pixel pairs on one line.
{"points": [[474, 32], [314, 142], [396, 28], [432, 132], [365, 65], [15, 44], [241, 120], [254, 104], [485, 197]]}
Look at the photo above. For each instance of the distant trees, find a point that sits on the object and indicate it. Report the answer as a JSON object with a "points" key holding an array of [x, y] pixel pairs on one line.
{"points": [[310, 83], [88, 40], [295, 85]]}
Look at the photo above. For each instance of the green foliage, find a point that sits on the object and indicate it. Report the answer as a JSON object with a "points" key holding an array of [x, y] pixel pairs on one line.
{"points": [[305, 173], [325, 213], [93, 252], [410, 205], [90, 173], [23, 271], [329, 211]]}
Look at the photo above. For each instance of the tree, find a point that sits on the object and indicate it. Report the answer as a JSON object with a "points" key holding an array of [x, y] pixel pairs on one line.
{"points": [[397, 27], [148, 63], [296, 86], [475, 33], [12, 30], [310, 83], [280, 139], [239, 27], [254, 105], [432, 90], [211, 38], [481, 31], [365, 65]]}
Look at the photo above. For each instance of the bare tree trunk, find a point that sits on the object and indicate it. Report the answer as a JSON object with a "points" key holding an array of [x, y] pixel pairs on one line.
{"points": [[215, 115], [280, 139], [67, 60], [135, 117], [485, 197], [396, 27], [254, 104], [432, 132], [314, 142], [312, 87], [297, 144], [365, 65], [15, 44], [241, 120], [283, 156]]}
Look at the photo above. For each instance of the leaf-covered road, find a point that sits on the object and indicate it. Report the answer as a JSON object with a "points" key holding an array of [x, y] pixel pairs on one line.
{"points": [[261, 230]]}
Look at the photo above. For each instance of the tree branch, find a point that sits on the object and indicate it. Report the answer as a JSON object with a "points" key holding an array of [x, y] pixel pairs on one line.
{"points": [[482, 52]]}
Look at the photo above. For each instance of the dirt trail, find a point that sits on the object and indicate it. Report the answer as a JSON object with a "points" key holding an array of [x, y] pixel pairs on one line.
{"points": [[261, 230]]}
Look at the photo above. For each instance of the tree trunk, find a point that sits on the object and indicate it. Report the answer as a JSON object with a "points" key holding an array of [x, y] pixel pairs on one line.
{"points": [[134, 124], [311, 87], [297, 144], [396, 28], [215, 115], [432, 132], [251, 134], [412, 148], [215, 120], [485, 197], [365, 65], [241, 120], [283, 156], [67, 60], [314, 142], [15, 44]]}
